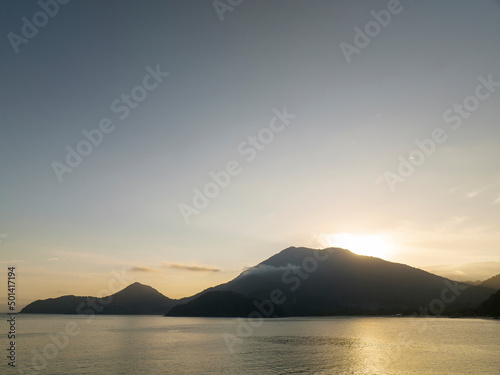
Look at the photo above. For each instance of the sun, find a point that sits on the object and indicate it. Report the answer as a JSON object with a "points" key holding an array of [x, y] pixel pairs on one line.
{"points": [[375, 245]]}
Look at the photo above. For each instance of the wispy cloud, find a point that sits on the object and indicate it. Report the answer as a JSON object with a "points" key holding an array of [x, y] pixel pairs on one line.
{"points": [[497, 201], [3, 236], [53, 259], [453, 189], [473, 194], [265, 268], [189, 267], [144, 269], [477, 192]]}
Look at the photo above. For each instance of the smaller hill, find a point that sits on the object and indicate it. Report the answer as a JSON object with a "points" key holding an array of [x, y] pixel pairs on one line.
{"points": [[138, 299], [135, 299], [60, 305]]}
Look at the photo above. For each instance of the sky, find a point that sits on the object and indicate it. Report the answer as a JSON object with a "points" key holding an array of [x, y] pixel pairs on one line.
{"points": [[226, 133]]}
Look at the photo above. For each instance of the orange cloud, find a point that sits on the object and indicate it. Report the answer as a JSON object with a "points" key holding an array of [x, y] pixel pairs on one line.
{"points": [[188, 267]]}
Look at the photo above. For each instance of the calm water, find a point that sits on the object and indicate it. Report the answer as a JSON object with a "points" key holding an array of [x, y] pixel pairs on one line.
{"points": [[159, 345]]}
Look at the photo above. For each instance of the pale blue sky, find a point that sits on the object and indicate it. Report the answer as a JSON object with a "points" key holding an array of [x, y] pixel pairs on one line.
{"points": [[319, 178]]}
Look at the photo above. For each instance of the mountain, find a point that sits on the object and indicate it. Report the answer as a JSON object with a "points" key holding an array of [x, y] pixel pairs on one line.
{"points": [[470, 272], [136, 299], [336, 281], [218, 304]]}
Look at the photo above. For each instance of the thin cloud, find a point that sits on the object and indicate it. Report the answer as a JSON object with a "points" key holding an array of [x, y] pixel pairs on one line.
{"points": [[265, 268], [497, 201], [479, 191], [144, 269], [473, 194], [454, 189], [189, 267], [52, 259]]}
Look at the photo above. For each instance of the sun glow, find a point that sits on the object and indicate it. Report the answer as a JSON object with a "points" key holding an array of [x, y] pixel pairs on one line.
{"points": [[376, 245]]}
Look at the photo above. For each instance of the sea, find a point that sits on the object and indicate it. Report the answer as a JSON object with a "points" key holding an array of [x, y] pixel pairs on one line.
{"points": [[112, 345]]}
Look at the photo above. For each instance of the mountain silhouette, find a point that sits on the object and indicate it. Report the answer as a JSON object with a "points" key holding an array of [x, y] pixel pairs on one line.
{"points": [[297, 282], [135, 299], [343, 283]]}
